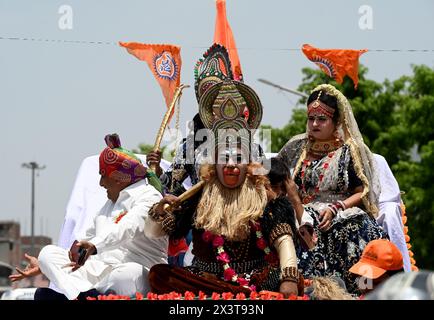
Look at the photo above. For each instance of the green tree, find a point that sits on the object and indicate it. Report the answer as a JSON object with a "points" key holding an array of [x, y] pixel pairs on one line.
{"points": [[396, 119], [145, 148]]}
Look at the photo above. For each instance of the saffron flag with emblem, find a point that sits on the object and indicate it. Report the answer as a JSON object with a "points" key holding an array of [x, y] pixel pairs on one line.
{"points": [[223, 35], [164, 60], [336, 63]]}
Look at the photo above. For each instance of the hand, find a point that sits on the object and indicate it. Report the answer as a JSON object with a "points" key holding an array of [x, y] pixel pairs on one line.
{"points": [[31, 270], [291, 191], [90, 249], [153, 158], [326, 217], [293, 197], [308, 236], [288, 288], [168, 199]]}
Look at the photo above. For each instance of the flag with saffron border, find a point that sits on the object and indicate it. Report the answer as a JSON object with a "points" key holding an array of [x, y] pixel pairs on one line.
{"points": [[336, 63], [164, 61]]}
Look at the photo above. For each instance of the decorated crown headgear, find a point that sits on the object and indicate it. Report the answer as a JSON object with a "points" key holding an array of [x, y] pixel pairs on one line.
{"points": [[233, 106], [213, 68]]}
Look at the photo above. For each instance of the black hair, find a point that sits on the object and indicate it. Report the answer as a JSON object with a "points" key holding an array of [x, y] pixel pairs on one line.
{"points": [[279, 171], [197, 122], [329, 100]]}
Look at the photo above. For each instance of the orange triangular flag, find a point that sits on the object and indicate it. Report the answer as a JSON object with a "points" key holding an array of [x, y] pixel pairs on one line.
{"points": [[164, 60], [223, 35], [336, 63]]}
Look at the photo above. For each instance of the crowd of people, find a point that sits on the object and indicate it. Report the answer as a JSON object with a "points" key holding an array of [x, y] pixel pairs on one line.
{"points": [[308, 221]]}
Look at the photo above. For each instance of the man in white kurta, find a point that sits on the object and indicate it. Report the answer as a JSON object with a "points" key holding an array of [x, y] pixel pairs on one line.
{"points": [[122, 254], [86, 199]]}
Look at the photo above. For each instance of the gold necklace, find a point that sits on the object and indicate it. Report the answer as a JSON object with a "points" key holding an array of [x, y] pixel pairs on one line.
{"points": [[319, 149]]}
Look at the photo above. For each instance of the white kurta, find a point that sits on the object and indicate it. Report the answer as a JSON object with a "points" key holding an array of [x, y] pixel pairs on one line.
{"points": [[390, 215], [124, 254], [87, 198]]}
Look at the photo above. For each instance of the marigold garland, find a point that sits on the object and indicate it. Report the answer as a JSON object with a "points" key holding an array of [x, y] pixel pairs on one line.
{"points": [[262, 295], [407, 239]]}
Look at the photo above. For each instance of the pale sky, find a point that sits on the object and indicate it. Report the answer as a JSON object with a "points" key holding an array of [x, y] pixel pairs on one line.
{"points": [[59, 99]]}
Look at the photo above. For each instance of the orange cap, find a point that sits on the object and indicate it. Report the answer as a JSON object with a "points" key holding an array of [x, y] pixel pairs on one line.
{"points": [[378, 257]]}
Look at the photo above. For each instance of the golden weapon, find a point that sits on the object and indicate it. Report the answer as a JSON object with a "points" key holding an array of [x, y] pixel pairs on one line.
{"points": [[176, 97], [185, 196]]}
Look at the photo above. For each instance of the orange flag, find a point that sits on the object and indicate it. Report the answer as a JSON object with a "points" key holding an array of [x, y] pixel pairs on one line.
{"points": [[336, 62], [223, 35], [164, 60]]}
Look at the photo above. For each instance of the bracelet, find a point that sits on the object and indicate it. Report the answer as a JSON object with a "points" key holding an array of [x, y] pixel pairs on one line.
{"points": [[340, 204], [280, 230], [167, 219], [336, 206], [290, 274], [153, 214], [168, 223], [333, 208]]}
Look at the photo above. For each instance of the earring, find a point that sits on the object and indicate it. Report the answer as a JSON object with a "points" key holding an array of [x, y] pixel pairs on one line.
{"points": [[336, 135]]}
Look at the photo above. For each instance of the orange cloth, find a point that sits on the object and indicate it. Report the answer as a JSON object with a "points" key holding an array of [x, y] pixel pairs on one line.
{"points": [[164, 60], [223, 35], [336, 63]]}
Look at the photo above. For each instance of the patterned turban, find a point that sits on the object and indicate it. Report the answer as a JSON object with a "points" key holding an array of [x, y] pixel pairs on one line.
{"points": [[118, 163]]}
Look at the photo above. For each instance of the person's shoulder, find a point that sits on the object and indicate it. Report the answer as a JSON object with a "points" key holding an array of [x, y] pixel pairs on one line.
{"points": [[294, 142], [280, 204], [142, 189]]}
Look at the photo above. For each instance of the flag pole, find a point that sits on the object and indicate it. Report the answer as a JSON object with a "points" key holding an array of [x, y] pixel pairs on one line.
{"points": [[177, 95]]}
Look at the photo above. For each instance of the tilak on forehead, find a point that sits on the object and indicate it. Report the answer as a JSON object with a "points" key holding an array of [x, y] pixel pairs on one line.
{"points": [[318, 106]]}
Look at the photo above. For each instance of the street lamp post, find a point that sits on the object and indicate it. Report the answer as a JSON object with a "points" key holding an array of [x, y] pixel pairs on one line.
{"points": [[33, 166]]}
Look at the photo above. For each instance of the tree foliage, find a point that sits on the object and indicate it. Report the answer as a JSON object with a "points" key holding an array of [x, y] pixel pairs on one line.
{"points": [[145, 148], [396, 119]]}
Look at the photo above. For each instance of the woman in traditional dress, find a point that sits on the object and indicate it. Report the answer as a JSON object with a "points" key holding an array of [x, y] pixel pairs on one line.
{"points": [[337, 183]]}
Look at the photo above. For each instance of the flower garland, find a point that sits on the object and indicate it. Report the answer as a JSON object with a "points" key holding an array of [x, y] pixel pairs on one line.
{"points": [[407, 238], [262, 295], [229, 274]]}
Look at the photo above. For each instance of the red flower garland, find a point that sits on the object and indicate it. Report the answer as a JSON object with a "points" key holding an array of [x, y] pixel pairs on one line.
{"points": [[262, 295], [229, 273]]}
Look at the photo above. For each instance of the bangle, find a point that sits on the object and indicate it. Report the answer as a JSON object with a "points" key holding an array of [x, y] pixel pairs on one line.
{"points": [[336, 206], [290, 274], [341, 204], [333, 208]]}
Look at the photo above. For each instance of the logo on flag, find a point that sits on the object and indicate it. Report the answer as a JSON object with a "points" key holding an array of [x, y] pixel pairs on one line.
{"points": [[325, 65], [165, 66], [164, 61]]}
